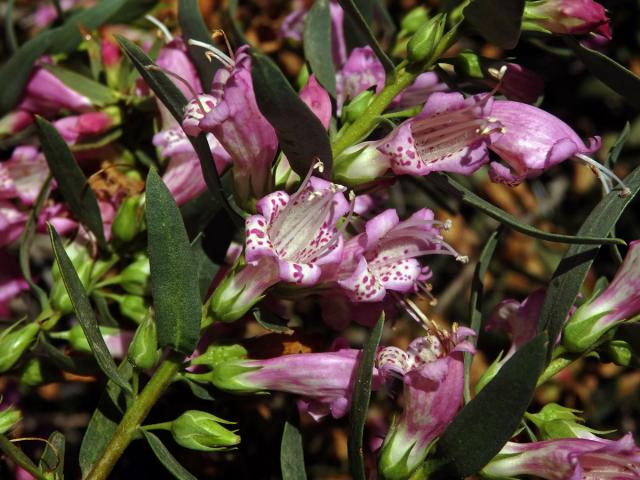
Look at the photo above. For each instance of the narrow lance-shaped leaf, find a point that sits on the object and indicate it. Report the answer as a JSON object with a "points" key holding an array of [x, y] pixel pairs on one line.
{"points": [[497, 21], [176, 294], [71, 180], [570, 273], [291, 454], [360, 401], [302, 137], [317, 45], [193, 27], [487, 422], [475, 302], [467, 196], [163, 454], [52, 459], [84, 313], [9, 29]]}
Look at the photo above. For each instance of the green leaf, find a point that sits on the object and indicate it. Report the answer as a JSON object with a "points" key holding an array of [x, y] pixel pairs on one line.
{"points": [[15, 73], [94, 91], [572, 269], [164, 455], [609, 72], [475, 302], [9, 29], [176, 294], [104, 421], [360, 402], [354, 14], [302, 137], [488, 421], [174, 100], [317, 45], [467, 196], [193, 27], [27, 238], [615, 151], [83, 311], [52, 459], [271, 321], [71, 181], [235, 27], [497, 21], [291, 454], [62, 361], [205, 268]]}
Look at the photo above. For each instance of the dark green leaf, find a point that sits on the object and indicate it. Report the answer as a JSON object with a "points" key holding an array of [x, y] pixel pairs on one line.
{"points": [[15, 73], [71, 181], [176, 295], [94, 91], [9, 29], [198, 390], [17, 455], [25, 243], [615, 151], [165, 457], [291, 454], [354, 14], [62, 361], [570, 273], [467, 196], [193, 27], [496, 20], [104, 421], [52, 459], [199, 211], [475, 302], [83, 311], [488, 421], [360, 402], [609, 72], [302, 137], [271, 322], [317, 45], [205, 268]]}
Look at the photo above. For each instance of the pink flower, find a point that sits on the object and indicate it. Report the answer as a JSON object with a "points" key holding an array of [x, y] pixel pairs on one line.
{"points": [[14, 122], [44, 94], [12, 222], [519, 83], [23, 175], [432, 370], [75, 127], [417, 93], [317, 99], [11, 282], [569, 17], [361, 71], [569, 459], [451, 134], [173, 58]]}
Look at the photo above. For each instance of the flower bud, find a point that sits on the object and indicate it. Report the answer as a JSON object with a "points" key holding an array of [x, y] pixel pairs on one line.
{"points": [[556, 421], [414, 19], [619, 352], [362, 163], [143, 351], [14, 343], [218, 354], [356, 107], [424, 42], [135, 276], [59, 298], [8, 418], [129, 220], [202, 431], [134, 307], [116, 339]]}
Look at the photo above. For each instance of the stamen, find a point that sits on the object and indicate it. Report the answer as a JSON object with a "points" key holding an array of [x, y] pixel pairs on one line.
{"points": [[606, 172], [217, 54], [426, 288], [218, 32], [161, 26], [183, 81]]}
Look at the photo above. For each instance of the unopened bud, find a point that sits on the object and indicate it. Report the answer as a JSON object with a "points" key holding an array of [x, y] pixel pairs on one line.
{"points": [[424, 42], [143, 351], [129, 220], [135, 276], [134, 307], [218, 354], [360, 164], [35, 372], [356, 107], [8, 418], [202, 431], [414, 19], [619, 352], [14, 343]]}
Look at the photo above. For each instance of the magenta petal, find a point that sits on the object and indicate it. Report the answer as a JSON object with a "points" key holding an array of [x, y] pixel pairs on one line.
{"points": [[379, 226], [317, 99]]}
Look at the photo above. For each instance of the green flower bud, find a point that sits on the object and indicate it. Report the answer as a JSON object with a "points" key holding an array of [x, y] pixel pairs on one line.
{"points": [[358, 165], [134, 307], [470, 65], [59, 298], [424, 42], [619, 352], [129, 220], [143, 351], [356, 107], [582, 331], [79, 342], [202, 431], [414, 19], [135, 276], [14, 343], [8, 418], [218, 354], [556, 421], [35, 372]]}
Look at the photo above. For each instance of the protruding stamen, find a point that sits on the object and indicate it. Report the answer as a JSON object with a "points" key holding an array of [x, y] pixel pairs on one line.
{"points": [[218, 32], [605, 172], [183, 81], [161, 26], [217, 54]]}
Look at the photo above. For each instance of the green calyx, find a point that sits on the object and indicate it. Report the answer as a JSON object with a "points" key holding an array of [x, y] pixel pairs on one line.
{"points": [[203, 431]]}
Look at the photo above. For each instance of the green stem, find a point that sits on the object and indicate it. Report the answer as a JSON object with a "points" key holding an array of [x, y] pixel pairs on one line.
{"points": [[15, 454], [157, 426], [135, 415], [555, 367]]}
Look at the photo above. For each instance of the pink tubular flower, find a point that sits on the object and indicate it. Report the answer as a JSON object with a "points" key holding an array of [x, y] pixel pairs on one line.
{"points": [[532, 142], [239, 126], [361, 71], [323, 380], [384, 256], [432, 370], [569, 17], [45, 94], [417, 93], [75, 127], [451, 134], [568, 459], [620, 301], [173, 58], [12, 222], [14, 122], [11, 282], [518, 83]]}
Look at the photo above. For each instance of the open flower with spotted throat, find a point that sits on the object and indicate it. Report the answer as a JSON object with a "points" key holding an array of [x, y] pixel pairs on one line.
{"points": [[385, 256], [432, 371], [291, 239]]}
